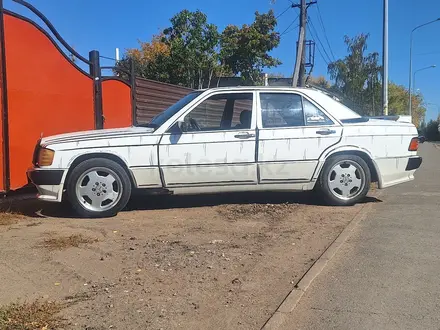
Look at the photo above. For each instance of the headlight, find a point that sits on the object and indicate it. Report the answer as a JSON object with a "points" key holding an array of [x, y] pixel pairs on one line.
{"points": [[45, 157]]}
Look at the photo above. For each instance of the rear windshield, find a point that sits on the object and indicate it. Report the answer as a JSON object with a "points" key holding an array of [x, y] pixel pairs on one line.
{"points": [[337, 109]]}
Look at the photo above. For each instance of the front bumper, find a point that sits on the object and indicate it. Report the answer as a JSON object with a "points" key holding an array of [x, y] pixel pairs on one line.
{"points": [[413, 163], [48, 182], [45, 177]]}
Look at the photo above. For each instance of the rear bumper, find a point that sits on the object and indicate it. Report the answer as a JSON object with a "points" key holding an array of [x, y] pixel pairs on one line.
{"points": [[392, 171], [48, 182], [414, 163]]}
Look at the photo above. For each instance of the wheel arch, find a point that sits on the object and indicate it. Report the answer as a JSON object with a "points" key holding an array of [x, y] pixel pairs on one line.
{"points": [[106, 155], [353, 150]]}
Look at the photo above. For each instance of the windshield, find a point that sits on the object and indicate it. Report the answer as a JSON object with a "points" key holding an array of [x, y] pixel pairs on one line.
{"points": [[161, 118]]}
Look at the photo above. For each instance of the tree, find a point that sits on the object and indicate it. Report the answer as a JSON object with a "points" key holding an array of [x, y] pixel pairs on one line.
{"points": [[151, 60], [319, 82], [431, 131], [357, 80], [357, 75], [245, 50], [398, 103], [188, 52], [193, 47]]}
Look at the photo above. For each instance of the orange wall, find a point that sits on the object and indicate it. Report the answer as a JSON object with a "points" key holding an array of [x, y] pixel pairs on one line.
{"points": [[116, 101], [46, 94], [2, 183]]}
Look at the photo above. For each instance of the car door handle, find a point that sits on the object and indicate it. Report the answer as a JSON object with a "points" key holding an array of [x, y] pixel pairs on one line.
{"points": [[326, 131], [244, 135]]}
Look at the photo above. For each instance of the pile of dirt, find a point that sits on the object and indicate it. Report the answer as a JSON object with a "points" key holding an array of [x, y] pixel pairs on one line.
{"points": [[240, 211]]}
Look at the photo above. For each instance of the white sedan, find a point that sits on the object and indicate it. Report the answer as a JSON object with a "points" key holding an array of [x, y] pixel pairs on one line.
{"points": [[229, 139]]}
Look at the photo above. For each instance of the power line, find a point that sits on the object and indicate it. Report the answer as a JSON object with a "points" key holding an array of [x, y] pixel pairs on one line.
{"points": [[319, 50], [285, 11], [294, 28], [325, 32], [108, 58], [323, 58], [290, 25], [317, 38]]}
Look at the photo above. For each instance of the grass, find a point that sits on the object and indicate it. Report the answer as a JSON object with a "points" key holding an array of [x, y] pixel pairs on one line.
{"points": [[31, 316], [62, 243]]}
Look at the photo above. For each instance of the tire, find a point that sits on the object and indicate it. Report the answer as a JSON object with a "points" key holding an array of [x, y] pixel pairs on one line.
{"points": [[344, 180], [98, 188]]}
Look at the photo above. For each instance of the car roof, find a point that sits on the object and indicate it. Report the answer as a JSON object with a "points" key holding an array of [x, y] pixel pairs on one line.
{"points": [[256, 88]]}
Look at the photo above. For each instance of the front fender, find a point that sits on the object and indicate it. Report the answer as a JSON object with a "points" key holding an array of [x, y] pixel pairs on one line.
{"points": [[95, 153]]}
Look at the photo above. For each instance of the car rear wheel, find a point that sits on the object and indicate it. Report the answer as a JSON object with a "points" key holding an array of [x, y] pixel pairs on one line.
{"points": [[345, 180], [98, 188]]}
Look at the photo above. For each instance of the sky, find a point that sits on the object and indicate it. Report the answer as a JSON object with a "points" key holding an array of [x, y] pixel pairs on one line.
{"points": [[106, 24]]}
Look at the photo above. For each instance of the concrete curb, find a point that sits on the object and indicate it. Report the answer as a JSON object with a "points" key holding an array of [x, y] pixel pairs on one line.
{"points": [[290, 302]]}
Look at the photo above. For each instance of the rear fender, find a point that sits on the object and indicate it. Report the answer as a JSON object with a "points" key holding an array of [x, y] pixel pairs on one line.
{"points": [[349, 149]]}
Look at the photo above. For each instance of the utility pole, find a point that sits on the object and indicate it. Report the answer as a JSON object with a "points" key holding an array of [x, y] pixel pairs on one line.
{"points": [[299, 74], [301, 39], [385, 58]]}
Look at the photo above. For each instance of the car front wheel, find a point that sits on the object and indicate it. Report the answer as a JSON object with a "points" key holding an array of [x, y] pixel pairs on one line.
{"points": [[98, 188], [345, 180]]}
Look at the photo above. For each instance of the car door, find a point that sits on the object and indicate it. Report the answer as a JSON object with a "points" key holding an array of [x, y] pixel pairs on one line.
{"points": [[293, 133], [216, 144]]}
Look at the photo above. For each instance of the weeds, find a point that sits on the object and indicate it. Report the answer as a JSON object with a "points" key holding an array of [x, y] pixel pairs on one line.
{"points": [[62, 243], [30, 316]]}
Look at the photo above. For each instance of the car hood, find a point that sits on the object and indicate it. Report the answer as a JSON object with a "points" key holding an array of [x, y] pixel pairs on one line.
{"points": [[94, 135]]}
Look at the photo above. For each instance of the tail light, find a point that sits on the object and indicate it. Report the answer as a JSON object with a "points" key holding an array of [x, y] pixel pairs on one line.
{"points": [[414, 144]]}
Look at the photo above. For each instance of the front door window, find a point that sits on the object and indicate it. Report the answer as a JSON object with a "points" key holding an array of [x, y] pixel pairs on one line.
{"points": [[221, 112]]}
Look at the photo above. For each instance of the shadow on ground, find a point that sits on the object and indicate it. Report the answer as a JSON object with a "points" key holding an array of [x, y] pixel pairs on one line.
{"points": [[29, 206]]}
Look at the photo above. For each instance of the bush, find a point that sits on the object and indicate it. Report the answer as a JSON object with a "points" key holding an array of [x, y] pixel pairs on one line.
{"points": [[431, 132]]}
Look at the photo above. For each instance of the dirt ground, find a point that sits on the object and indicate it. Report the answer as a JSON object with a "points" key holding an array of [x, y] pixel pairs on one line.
{"points": [[194, 262]]}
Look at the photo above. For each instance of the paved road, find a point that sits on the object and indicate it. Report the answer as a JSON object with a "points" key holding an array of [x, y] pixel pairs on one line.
{"points": [[387, 275]]}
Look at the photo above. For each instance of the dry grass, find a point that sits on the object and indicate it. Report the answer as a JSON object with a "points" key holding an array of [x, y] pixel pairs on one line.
{"points": [[9, 218], [30, 316], [62, 243], [234, 212]]}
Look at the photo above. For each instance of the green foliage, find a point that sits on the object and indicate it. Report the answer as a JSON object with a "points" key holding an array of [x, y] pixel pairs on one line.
{"points": [[192, 52], [398, 103], [319, 82], [430, 131], [193, 45], [151, 60], [357, 81], [245, 50], [357, 75]]}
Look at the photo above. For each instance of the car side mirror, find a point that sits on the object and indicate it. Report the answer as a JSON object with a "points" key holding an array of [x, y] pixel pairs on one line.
{"points": [[183, 126]]}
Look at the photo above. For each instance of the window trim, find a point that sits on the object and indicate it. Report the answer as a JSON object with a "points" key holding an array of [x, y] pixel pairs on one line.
{"points": [[203, 98], [260, 126]]}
